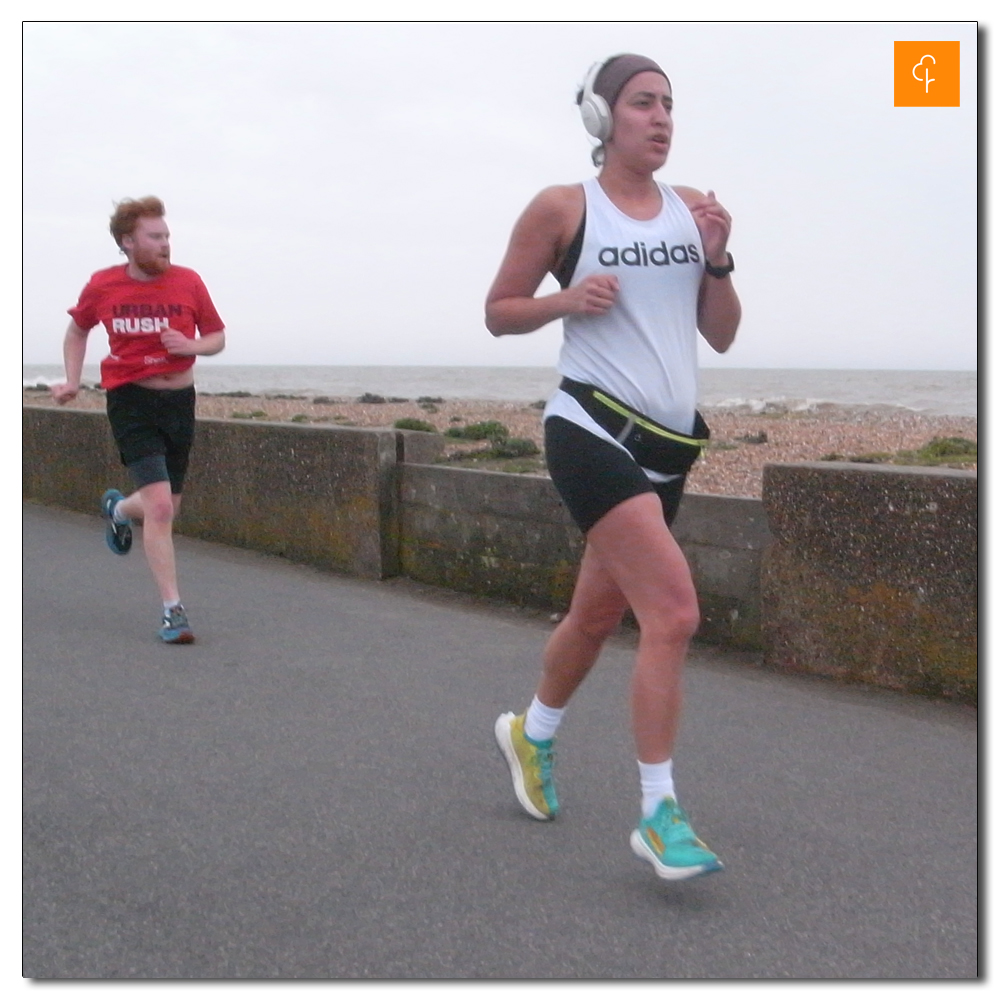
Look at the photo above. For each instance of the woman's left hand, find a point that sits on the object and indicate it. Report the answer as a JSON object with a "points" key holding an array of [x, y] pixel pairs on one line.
{"points": [[714, 224]]}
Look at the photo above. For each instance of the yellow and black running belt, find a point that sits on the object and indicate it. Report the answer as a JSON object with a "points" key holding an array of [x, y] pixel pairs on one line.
{"points": [[653, 445]]}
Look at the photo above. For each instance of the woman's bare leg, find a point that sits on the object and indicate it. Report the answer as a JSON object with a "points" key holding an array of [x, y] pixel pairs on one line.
{"points": [[636, 550], [596, 609]]}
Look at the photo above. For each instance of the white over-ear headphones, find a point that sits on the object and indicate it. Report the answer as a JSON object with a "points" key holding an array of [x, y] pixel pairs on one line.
{"points": [[594, 109]]}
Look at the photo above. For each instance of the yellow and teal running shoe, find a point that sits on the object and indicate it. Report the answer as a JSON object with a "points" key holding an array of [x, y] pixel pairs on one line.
{"points": [[667, 841], [530, 764]]}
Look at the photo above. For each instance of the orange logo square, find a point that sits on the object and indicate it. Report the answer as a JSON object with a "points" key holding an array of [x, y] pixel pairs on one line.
{"points": [[926, 75]]}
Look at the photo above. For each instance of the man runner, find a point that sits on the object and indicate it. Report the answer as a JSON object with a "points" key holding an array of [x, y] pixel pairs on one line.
{"points": [[159, 318]]}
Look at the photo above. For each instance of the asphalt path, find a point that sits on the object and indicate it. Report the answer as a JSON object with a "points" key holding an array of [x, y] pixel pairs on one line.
{"points": [[312, 791]]}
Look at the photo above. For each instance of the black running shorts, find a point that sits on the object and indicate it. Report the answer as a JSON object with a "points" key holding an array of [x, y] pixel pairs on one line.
{"points": [[593, 476], [154, 431]]}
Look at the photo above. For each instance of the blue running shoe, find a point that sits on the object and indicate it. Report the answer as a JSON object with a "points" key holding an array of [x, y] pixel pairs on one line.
{"points": [[667, 841], [118, 535], [530, 764], [176, 628]]}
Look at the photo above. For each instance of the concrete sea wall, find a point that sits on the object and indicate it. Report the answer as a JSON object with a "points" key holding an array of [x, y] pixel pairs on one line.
{"points": [[862, 573]]}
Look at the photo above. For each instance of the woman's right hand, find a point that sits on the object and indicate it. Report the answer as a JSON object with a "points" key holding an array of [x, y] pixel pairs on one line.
{"points": [[594, 296], [541, 236]]}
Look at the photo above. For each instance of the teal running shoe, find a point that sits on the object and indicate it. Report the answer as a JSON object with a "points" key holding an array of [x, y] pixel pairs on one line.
{"points": [[175, 628], [667, 841], [117, 535], [530, 764]]}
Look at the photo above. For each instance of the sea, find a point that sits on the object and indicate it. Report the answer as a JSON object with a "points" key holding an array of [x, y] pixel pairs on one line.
{"points": [[748, 390]]}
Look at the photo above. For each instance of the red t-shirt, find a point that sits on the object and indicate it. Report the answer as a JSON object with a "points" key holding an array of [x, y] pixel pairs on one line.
{"points": [[134, 312]]}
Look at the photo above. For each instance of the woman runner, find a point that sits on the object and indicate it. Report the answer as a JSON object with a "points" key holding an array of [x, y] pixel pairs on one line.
{"points": [[643, 269]]}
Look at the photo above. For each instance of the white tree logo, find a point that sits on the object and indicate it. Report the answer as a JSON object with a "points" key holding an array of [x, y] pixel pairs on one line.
{"points": [[926, 79]]}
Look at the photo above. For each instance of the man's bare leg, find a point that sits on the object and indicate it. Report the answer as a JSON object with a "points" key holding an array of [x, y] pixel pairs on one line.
{"points": [[155, 507]]}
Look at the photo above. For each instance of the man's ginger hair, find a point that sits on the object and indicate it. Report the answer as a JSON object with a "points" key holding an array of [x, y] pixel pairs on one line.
{"points": [[129, 211]]}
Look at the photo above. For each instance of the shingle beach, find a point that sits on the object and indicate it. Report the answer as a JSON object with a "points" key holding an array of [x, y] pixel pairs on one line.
{"points": [[742, 442]]}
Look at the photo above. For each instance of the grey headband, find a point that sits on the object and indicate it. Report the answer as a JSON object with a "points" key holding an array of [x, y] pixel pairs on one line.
{"points": [[618, 70]]}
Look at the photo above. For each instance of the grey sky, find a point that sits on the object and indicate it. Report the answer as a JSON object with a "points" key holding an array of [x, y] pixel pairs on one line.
{"points": [[347, 190]]}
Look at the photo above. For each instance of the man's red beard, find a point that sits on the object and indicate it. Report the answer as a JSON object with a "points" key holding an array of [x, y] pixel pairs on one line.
{"points": [[150, 263]]}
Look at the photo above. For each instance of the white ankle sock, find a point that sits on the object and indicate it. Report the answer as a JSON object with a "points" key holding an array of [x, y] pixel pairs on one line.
{"points": [[657, 783], [167, 605], [115, 516], [541, 722]]}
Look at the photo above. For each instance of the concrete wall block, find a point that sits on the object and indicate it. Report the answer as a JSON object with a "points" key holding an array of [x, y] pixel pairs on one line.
{"points": [[724, 522], [731, 573], [873, 575], [496, 534], [915, 525], [321, 495], [419, 446]]}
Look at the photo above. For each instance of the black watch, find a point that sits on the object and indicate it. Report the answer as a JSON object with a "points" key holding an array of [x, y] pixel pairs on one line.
{"points": [[720, 272]]}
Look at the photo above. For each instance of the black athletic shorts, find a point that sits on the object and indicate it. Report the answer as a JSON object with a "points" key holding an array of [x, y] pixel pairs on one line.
{"points": [[592, 476], [154, 431]]}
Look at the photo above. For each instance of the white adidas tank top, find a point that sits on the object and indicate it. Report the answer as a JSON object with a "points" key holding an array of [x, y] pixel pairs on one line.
{"points": [[644, 349]]}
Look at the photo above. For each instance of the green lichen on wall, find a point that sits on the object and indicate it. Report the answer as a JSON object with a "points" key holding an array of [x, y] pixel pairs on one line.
{"points": [[729, 621], [485, 569], [327, 537], [871, 634]]}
